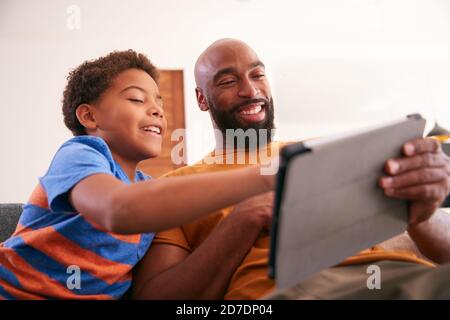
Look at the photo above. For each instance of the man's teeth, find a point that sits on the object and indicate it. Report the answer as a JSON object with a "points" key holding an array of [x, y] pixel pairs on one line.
{"points": [[253, 110], [152, 129]]}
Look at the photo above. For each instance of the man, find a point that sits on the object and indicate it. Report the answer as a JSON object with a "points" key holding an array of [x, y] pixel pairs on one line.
{"points": [[225, 255]]}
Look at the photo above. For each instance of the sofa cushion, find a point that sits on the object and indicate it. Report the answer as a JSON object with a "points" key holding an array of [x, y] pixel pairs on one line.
{"points": [[9, 216]]}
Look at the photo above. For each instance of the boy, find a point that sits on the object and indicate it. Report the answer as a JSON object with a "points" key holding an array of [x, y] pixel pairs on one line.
{"points": [[92, 212]]}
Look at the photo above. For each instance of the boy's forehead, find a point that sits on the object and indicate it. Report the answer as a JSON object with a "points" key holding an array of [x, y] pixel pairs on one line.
{"points": [[135, 77]]}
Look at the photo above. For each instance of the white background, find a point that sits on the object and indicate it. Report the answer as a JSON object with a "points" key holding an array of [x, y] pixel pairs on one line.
{"points": [[334, 65]]}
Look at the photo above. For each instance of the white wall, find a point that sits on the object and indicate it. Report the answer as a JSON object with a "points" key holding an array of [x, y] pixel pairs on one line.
{"points": [[334, 64]]}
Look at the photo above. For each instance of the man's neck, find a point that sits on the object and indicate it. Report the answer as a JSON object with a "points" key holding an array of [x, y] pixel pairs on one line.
{"points": [[224, 146]]}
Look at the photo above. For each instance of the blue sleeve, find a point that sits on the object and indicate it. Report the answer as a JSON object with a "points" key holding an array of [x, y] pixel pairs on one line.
{"points": [[72, 163]]}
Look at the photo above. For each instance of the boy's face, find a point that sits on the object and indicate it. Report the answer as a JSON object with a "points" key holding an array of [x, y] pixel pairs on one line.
{"points": [[130, 116]]}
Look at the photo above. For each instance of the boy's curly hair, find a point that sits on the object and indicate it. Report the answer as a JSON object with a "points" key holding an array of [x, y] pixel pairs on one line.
{"points": [[89, 80]]}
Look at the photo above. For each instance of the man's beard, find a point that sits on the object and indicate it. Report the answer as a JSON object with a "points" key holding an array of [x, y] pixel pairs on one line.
{"points": [[228, 120]]}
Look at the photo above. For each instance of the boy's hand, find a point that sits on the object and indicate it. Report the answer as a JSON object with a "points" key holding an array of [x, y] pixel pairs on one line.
{"points": [[422, 176], [258, 209]]}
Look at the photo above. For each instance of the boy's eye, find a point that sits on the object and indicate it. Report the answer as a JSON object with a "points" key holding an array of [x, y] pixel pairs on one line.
{"points": [[136, 100]]}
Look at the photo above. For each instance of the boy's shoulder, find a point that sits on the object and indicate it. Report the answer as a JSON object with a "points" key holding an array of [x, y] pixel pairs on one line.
{"points": [[85, 147], [82, 153], [87, 142]]}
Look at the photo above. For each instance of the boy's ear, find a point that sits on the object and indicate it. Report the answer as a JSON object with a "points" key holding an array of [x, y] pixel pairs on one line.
{"points": [[85, 115], [201, 99]]}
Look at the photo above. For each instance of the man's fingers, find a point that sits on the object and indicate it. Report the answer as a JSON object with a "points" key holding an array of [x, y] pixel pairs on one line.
{"points": [[415, 177], [400, 165], [428, 192], [420, 146], [421, 176]]}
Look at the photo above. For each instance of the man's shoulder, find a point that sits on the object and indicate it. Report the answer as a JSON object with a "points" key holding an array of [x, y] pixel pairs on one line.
{"points": [[206, 165], [282, 144], [190, 169]]}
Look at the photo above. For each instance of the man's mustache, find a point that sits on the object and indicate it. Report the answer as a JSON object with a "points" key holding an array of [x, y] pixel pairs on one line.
{"points": [[239, 105]]}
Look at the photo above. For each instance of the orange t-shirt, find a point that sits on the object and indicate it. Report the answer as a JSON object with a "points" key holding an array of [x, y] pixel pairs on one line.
{"points": [[250, 280]]}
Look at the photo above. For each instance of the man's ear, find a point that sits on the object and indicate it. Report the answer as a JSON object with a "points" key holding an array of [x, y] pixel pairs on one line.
{"points": [[85, 115], [201, 99]]}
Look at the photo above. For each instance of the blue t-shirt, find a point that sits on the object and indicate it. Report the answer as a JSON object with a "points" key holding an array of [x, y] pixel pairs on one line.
{"points": [[55, 251]]}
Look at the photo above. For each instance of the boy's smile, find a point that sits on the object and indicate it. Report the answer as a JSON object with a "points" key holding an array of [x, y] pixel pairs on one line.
{"points": [[151, 129]]}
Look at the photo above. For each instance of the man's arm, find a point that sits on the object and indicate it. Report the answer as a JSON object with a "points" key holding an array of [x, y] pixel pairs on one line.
{"points": [[170, 272], [422, 176], [432, 237]]}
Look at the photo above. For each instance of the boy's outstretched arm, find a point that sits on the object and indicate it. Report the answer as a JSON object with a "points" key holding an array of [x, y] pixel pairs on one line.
{"points": [[171, 272], [162, 204]]}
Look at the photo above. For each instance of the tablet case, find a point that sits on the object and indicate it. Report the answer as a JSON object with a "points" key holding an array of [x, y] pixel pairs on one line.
{"points": [[291, 153]]}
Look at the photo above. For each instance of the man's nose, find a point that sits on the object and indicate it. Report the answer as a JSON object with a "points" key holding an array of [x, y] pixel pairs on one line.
{"points": [[248, 89]]}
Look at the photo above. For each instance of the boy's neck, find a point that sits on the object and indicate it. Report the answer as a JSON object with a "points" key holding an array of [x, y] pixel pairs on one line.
{"points": [[128, 166]]}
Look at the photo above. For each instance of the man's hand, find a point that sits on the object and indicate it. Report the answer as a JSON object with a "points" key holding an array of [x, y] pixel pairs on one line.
{"points": [[258, 209], [422, 176]]}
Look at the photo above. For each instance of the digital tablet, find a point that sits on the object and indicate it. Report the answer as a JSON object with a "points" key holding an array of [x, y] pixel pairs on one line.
{"points": [[328, 205]]}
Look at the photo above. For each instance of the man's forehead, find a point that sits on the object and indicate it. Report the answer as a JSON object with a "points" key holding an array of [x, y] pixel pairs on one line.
{"points": [[226, 54], [232, 56]]}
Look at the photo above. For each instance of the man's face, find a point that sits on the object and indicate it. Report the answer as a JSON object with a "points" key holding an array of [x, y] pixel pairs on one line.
{"points": [[237, 92]]}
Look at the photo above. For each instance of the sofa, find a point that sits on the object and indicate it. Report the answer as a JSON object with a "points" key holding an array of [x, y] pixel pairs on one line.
{"points": [[9, 216]]}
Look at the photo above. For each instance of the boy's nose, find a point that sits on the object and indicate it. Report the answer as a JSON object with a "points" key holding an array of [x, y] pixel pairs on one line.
{"points": [[156, 111], [157, 114]]}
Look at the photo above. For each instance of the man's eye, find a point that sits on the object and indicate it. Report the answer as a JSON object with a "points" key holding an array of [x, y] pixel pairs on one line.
{"points": [[226, 83], [136, 100], [259, 76]]}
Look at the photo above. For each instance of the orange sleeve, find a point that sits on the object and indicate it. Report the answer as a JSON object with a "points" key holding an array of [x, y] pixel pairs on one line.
{"points": [[174, 237], [39, 197]]}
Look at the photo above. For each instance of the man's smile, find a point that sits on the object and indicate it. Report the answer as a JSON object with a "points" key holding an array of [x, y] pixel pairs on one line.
{"points": [[253, 112]]}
